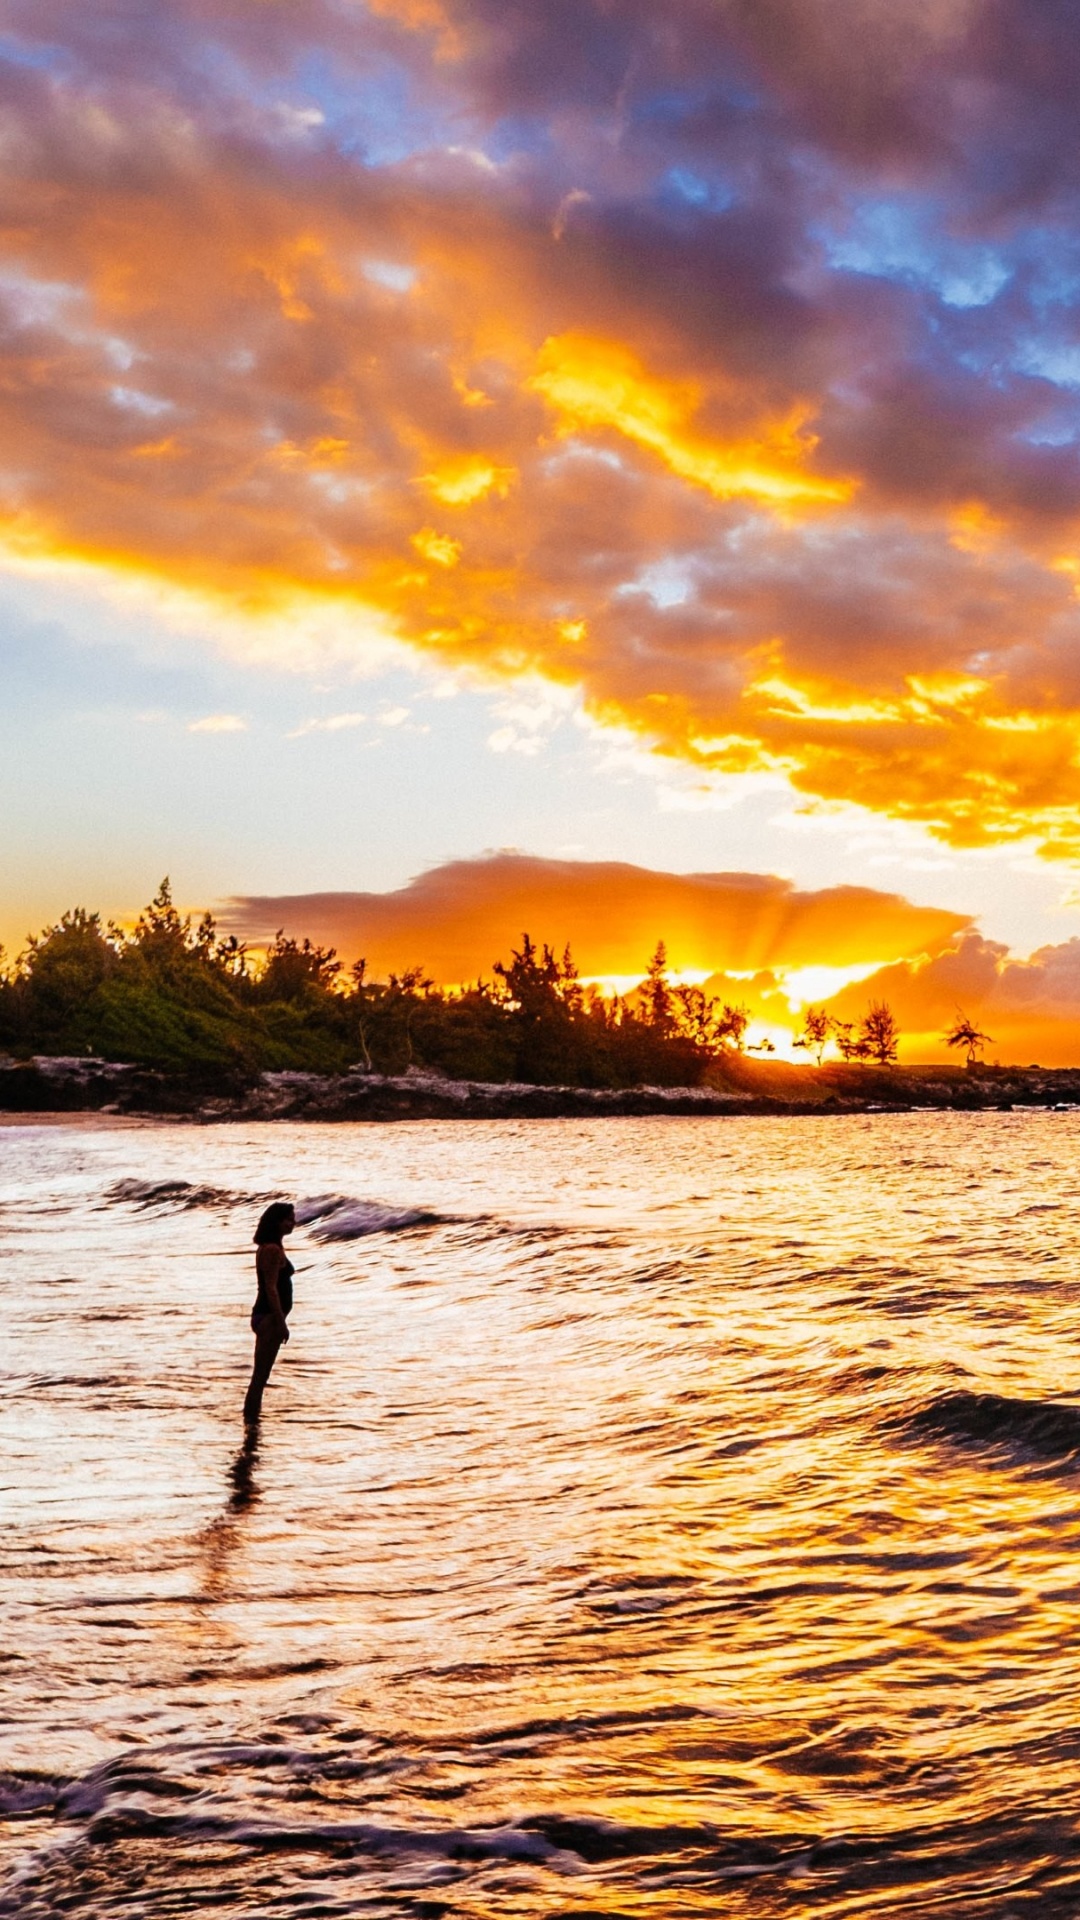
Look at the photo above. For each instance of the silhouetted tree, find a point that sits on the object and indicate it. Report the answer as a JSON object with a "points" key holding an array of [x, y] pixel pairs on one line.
{"points": [[402, 996], [731, 1025], [967, 1035], [850, 1045], [184, 998], [816, 1028], [879, 1034], [656, 994], [467, 1035], [359, 997], [697, 1017], [544, 998], [161, 937]]}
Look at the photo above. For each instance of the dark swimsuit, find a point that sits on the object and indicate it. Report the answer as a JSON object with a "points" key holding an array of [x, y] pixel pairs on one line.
{"points": [[262, 1308]]}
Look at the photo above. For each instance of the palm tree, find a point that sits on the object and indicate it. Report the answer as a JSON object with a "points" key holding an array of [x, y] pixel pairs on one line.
{"points": [[966, 1034]]}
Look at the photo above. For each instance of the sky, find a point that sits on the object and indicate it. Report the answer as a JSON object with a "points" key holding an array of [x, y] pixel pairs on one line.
{"points": [[621, 434]]}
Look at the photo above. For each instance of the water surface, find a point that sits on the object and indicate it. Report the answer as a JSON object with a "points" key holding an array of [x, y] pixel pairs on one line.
{"points": [[661, 1517]]}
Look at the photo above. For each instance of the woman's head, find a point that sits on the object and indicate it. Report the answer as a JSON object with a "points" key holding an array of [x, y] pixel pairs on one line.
{"points": [[279, 1218]]}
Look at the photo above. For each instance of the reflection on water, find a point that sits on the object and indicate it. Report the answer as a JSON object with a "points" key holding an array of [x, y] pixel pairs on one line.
{"points": [[221, 1537], [245, 1490], [648, 1518]]}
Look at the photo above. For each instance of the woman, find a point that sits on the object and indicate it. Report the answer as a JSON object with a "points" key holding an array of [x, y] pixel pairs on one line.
{"points": [[274, 1301]]}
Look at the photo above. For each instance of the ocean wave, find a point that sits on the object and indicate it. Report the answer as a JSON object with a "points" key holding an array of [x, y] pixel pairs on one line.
{"points": [[177, 1195], [338, 1216], [1049, 1430], [223, 1808], [110, 1803], [331, 1216], [24, 1794]]}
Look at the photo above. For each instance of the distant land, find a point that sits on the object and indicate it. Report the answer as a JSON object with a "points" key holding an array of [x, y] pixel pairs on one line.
{"points": [[73, 1085]]}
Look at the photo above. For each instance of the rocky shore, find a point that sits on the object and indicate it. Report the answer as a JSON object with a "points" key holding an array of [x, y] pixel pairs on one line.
{"points": [[77, 1085]]}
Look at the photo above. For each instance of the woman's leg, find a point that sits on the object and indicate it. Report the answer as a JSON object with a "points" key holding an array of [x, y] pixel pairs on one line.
{"points": [[267, 1345]]}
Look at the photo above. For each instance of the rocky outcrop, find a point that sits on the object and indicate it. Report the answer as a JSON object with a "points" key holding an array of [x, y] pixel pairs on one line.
{"points": [[74, 1084]]}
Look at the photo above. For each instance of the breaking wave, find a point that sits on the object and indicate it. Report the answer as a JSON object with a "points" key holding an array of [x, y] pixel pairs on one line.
{"points": [[177, 1195], [1047, 1429], [179, 1823], [331, 1216], [336, 1216], [185, 1797]]}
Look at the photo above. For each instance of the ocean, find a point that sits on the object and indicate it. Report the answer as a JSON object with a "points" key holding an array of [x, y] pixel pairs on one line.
{"points": [[663, 1517]]}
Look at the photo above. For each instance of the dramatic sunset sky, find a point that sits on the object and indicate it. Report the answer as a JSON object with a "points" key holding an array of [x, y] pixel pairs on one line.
{"points": [[626, 433]]}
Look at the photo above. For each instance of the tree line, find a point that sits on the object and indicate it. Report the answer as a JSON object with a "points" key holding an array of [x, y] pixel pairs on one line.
{"points": [[186, 998], [876, 1036]]}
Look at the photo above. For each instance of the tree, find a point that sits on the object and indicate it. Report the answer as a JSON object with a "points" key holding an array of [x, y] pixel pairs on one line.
{"points": [[816, 1028], [402, 995], [186, 999], [879, 1034], [295, 969], [467, 1035], [359, 1002], [965, 1034], [697, 1017], [160, 935], [544, 998], [229, 954], [8, 1005], [732, 1024], [850, 1045], [657, 997], [59, 975], [535, 982]]}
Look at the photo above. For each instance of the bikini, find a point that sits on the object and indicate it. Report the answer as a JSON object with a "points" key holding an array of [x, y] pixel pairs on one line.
{"points": [[262, 1308]]}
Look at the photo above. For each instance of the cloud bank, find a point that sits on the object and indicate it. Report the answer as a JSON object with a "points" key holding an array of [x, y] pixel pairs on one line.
{"points": [[719, 361], [459, 918]]}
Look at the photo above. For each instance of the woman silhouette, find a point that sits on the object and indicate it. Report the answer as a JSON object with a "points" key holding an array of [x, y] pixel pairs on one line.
{"points": [[273, 1303]]}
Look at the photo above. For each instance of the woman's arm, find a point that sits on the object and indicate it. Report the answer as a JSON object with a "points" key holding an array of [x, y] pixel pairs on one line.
{"points": [[268, 1262]]}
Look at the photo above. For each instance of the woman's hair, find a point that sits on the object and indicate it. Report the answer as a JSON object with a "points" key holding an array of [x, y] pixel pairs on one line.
{"points": [[269, 1228]]}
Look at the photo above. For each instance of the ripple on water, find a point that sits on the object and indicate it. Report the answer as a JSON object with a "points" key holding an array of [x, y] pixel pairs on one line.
{"points": [[650, 1518]]}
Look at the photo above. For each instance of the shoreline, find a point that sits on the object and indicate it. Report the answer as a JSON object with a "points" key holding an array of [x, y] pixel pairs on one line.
{"points": [[54, 1089]]}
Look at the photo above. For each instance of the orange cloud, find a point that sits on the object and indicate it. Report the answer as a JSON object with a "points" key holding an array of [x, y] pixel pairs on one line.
{"points": [[458, 919], [767, 511]]}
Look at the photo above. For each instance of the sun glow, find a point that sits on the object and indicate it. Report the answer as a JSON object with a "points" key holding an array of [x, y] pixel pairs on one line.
{"points": [[766, 1040], [806, 986]]}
